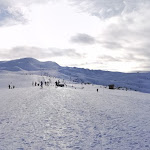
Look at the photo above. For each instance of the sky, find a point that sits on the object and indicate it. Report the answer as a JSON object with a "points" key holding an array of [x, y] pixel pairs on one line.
{"points": [[111, 35]]}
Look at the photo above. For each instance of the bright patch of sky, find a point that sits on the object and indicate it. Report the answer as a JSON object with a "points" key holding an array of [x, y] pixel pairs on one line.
{"points": [[93, 34]]}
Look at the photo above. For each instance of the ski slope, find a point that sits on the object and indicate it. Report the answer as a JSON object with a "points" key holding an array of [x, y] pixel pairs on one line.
{"points": [[134, 81], [75, 117]]}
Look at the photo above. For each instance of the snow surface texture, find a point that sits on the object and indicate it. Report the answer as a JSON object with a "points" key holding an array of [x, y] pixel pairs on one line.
{"points": [[134, 81], [76, 117]]}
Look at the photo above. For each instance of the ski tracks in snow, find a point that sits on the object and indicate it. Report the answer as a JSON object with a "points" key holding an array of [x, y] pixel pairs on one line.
{"points": [[73, 119]]}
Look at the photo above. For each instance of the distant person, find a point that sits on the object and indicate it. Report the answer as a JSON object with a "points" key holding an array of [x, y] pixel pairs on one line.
{"points": [[9, 86], [13, 86], [56, 83], [35, 83], [41, 84], [97, 90]]}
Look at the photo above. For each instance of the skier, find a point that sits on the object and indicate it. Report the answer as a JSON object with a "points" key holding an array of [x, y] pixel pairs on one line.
{"points": [[97, 90], [9, 86]]}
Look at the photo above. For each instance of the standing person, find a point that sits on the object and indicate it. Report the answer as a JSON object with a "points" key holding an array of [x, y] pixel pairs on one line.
{"points": [[97, 90], [56, 83], [9, 86]]}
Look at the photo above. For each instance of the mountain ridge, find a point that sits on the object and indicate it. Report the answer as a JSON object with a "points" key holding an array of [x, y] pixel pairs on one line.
{"points": [[27, 64], [134, 81]]}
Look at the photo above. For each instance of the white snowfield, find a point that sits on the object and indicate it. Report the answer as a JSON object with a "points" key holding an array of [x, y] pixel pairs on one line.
{"points": [[71, 118]]}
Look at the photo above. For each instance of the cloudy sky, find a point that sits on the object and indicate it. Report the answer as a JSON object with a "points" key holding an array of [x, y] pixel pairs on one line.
{"points": [[97, 34]]}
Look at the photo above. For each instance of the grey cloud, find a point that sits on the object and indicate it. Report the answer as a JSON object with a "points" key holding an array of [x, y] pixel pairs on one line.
{"points": [[111, 45], [35, 52], [143, 64], [108, 8], [100, 8], [133, 57], [142, 68], [131, 34], [128, 33], [11, 3], [86, 39], [107, 58], [83, 39], [143, 48], [146, 67], [125, 58], [65, 52], [11, 16], [11, 13]]}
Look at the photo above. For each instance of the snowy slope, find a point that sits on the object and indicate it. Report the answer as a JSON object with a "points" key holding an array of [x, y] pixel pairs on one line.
{"points": [[72, 118], [134, 81], [28, 64]]}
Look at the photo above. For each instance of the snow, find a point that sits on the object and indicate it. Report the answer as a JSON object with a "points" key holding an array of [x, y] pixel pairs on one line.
{"points": [[72, 117], [135, 81]]}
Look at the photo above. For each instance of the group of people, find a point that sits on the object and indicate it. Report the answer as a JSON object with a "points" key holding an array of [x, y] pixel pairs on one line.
{"points": [[38, 84], [11, 86], [41, 83]]}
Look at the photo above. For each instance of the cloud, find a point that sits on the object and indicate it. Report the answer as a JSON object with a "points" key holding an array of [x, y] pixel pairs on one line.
{"points": [[12, 11], [107, 58], [39, 53], [64, 52], [120, 31], [11, 16], [112, 45], [11, 3], [100, 8], [83, 39], [108, 8], [132, 32], [125, 58], [128, 35], [127, 27]]}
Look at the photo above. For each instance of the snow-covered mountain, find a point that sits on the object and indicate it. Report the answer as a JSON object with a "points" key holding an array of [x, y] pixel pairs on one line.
{"points": [[28, 64], [134, 81], [75, 116]]}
